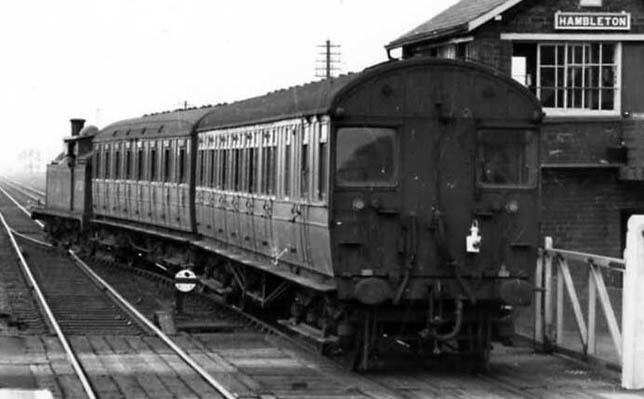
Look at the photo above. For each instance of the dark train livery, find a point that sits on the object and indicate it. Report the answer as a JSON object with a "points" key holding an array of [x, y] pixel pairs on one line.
{"points": [[399, 204]]}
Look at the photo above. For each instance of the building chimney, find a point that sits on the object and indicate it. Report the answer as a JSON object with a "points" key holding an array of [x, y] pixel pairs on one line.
{"points": [[77, 126]]}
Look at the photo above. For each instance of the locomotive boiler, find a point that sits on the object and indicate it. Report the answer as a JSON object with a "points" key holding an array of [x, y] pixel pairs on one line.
{"points": [[395, 205]]}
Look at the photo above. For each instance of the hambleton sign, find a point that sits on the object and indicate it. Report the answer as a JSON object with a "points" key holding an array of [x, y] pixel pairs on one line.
{"points": [[592, 21]]}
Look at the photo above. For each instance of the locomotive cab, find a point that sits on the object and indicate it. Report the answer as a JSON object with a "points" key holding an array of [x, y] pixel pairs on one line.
{"points": [[68, 200]]}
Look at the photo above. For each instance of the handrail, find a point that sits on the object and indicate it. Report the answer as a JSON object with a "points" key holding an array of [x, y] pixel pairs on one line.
{"points": [[549, 319]]}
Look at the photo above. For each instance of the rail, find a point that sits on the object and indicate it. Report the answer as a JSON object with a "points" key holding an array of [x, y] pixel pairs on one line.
{"points": [[24, 188], [122, 302], [89, 391]]}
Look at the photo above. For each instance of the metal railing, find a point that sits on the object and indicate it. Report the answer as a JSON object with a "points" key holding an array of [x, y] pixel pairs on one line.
{"points": [[554, 268]]}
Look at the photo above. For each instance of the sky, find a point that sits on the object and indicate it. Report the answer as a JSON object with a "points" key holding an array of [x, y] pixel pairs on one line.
{"points": [[106, 60]]}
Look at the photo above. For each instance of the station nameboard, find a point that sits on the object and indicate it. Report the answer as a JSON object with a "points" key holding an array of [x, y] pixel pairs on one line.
{"points": [[592, 21]]}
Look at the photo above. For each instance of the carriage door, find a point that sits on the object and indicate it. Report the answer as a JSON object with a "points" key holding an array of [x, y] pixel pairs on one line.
{"points": [[507, 206]]}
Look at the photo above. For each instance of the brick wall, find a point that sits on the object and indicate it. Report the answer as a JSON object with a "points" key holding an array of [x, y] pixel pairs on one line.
{"points": [[582, 209], [578, 140]]}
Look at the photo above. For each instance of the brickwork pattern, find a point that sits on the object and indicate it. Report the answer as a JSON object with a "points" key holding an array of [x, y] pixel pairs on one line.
{"points": [[582, 209], [579, 141]]}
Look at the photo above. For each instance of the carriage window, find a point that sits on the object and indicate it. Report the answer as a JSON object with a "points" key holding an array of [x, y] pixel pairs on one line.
{"points": [[166, 164], [322, 172], [237, 170], [287, 170], [269, 170], [117, 165], [139, 164], [304, 180], [128, 164], [182, 165], [252, 170], [153, 164], [215, 169], [366, 156], [97, 164], [106, 165], [507, 157]]}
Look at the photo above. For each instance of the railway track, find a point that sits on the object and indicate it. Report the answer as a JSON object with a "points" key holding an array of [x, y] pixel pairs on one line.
{"points": [[241, 333], [31, 192], [319, 377], [76, 301]]}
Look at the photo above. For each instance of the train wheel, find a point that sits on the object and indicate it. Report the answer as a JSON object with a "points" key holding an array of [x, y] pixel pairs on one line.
{"points": [[364, 342], [482, 344]]}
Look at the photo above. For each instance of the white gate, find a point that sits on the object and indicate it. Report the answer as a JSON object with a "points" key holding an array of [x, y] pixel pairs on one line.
{"points": [[617, 346]]}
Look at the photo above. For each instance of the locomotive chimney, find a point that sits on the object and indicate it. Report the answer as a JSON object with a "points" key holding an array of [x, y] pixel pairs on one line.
{"points": [[77, 126]]}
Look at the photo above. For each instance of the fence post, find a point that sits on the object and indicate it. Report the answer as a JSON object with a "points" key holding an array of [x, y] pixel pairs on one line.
{"points": [[539, 290], [592, 306], [548, 329], [632, 305]]}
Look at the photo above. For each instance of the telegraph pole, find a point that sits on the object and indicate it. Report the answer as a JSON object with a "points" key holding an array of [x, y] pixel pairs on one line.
{"points": [[330, 60]]}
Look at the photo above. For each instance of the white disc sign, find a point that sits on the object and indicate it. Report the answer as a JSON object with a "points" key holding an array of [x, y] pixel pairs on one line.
{"points": [[183, 275]]}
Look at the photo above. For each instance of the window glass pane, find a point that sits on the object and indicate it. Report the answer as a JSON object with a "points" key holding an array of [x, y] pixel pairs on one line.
{"points": [[107, 170], [139, 164], [117, 165], [182, 165], [366, 156], [608, 99], [507, 157], [287, 170], [236, 171], [304, 175], [592, 98], [548, 77], [166, 165], [547, 55], [608, 53], [548, 97], [608, 77], [271, 171], [153, 164], [322, 172], [224, 169], [128, 164], [252, 170]]}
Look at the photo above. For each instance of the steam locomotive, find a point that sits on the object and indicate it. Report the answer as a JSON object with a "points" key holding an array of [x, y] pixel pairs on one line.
{"points": [[398, 204]]}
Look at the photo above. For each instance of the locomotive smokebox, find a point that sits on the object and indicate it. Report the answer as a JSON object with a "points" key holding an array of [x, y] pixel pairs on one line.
{"points": [[77, 125]]}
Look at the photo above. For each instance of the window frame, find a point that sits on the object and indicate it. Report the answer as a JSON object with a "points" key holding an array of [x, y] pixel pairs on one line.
{"points": [[396, 127], [565, 111], [534, 179]]}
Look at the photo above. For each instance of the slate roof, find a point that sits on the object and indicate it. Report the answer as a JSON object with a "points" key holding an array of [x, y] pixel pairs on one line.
{"points": [[455, 19]]}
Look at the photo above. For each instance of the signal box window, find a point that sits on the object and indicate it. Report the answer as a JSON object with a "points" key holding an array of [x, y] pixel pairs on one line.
{"points": [[507, 157], [366, 156], [571, 78]]}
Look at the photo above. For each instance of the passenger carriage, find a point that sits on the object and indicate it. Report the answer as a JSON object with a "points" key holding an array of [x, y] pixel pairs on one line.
{"points": [[399, 204]]}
